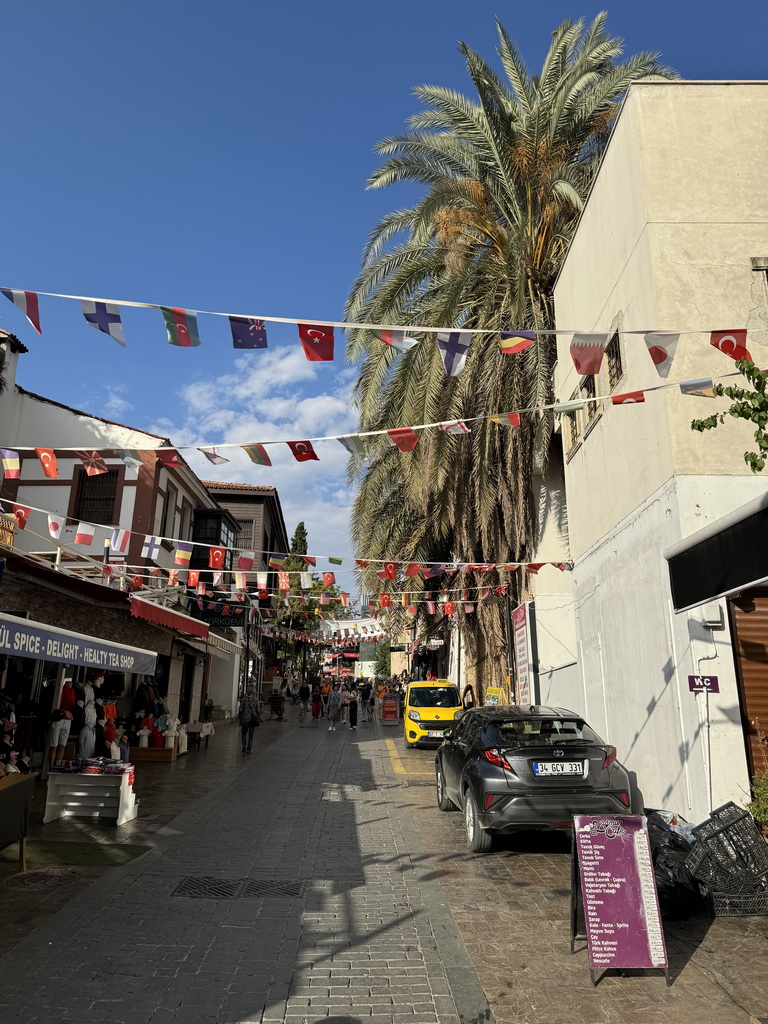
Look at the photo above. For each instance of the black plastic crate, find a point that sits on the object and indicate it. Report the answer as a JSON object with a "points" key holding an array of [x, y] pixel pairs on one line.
{"points": [[733, 841], [744, 904]]}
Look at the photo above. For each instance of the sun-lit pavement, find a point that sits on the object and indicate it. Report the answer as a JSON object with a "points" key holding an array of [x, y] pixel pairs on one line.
{"points": [[326, 886], [512, 907]]}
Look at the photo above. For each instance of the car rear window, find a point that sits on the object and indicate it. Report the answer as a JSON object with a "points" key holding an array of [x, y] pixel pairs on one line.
{"points": [[434, 697], [533, 731]]}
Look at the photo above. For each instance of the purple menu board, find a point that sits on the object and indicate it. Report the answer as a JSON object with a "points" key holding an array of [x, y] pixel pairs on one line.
{"points": [[621, 908]]}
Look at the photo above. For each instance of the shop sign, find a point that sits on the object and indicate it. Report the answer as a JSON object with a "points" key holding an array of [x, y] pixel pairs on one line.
{"points": [[621, 907], [390, 710], [703, 684], [524, 647], [24, 639]]}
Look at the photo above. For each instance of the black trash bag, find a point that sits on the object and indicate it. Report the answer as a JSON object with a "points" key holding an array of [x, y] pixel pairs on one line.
{"points": [[679, 894]]}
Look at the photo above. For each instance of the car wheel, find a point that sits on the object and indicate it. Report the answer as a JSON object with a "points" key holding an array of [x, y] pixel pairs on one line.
{"points": [[444, 802], [478, 839]]}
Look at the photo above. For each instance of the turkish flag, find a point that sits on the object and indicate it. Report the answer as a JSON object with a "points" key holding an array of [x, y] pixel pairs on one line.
{"points": [[22, 515], [48, 461], [317, 342], [193, 577], [533, 567], [136, 582], [449, 607], [262, 595], [329, 578], [390, 570], [302, 451], [169, 457], [385, 601], [404, 438], [628, 398], [227, 608], [732, 343], [216, 558]]}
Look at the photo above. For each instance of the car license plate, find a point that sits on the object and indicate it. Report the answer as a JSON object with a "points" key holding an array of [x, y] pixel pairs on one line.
{"points": [[436, 734], [558, 767]]}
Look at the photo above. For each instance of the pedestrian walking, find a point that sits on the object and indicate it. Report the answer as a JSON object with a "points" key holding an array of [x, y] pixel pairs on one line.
{"points": [[353, 707], [249, 716], [333, 707], [303, 695], [366, 692], [325, 690], [346, 696], [317, 703], [381, 692]]}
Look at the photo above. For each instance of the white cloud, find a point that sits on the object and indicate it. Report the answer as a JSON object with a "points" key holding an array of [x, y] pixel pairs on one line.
{"points": [[265, 400], [113, 403]]}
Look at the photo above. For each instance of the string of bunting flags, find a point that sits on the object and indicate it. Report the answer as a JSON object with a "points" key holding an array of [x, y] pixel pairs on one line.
{"points": [[83, 535], [317, 337], [404, 439]]}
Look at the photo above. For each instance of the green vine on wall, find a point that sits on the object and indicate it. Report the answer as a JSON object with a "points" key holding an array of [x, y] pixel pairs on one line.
{"points": [[747, 405]]}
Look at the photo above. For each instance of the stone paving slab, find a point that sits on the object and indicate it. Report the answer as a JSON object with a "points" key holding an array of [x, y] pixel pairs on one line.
{"points": [[512, 909], [368, 940]]}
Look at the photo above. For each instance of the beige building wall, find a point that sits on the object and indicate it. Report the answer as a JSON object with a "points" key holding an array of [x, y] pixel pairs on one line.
{"points": [[665, 242]]}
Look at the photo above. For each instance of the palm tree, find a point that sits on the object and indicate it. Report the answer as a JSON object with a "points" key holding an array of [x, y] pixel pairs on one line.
{"points": [[506, 175]]}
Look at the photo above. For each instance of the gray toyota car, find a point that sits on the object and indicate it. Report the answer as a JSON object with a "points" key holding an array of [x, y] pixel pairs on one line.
{"points": [[514, 767]]}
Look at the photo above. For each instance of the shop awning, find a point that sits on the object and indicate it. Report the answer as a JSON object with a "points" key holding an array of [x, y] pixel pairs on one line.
{"points": [[166, 617], [724, 558], [23, 638]]}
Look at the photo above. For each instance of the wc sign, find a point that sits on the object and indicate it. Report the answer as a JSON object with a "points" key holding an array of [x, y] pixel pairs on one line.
{"points": [[703, 684]]}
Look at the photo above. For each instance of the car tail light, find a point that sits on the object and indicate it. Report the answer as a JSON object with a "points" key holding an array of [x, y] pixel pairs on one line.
{"points": [[490, 797], [624, 797], [610, 755], [494, 756]]}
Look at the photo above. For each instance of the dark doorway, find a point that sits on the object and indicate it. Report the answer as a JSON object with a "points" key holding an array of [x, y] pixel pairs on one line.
{"points": [[187, 685]]}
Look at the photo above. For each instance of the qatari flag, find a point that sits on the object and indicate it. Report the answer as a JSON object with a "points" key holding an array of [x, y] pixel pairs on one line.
{"points": [[27, 303], [587, 352], [248, 332]]}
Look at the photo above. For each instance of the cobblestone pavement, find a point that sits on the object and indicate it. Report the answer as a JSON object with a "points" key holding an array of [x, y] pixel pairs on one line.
{"points": [[354, 928], [512, 909], [377, 913]]}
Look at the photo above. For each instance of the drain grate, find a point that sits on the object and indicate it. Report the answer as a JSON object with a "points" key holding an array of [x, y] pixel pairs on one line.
{"points": [[209, 888], [239, 888], [256, 888]]}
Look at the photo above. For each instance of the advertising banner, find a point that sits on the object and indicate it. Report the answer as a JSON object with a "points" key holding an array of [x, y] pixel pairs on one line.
{"points": [[621, 907], [525, 659], [23, 638]]}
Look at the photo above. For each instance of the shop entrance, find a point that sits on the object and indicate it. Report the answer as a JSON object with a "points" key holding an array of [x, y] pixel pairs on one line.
{"points": [[749, 626], [187, 686]]}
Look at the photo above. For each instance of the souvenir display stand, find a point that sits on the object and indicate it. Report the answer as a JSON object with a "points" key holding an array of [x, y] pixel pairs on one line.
{"points": [[86, 794]]}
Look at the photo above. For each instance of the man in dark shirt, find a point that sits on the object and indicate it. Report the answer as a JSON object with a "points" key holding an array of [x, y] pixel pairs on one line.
{"points": [[366, 697]]}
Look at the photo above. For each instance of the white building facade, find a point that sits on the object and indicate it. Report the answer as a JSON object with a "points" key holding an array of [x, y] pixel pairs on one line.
{"points": [[677, 213]]}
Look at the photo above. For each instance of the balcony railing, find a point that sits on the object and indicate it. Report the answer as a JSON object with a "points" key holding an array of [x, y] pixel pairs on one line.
{"points": [[7, 527]]}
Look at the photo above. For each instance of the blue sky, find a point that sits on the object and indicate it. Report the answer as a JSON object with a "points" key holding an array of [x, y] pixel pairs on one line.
{"points": [[214, 156]]}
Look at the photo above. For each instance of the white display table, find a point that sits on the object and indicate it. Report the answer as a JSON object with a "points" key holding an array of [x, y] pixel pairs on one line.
{"points": [[74, 795]]}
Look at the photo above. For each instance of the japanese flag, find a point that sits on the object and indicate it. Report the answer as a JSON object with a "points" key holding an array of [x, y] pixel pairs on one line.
{"points": [[55, 525], [661, 348]]}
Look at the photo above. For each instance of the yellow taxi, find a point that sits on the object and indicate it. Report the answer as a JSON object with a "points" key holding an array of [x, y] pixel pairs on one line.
{"points": [[430, 709]]}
